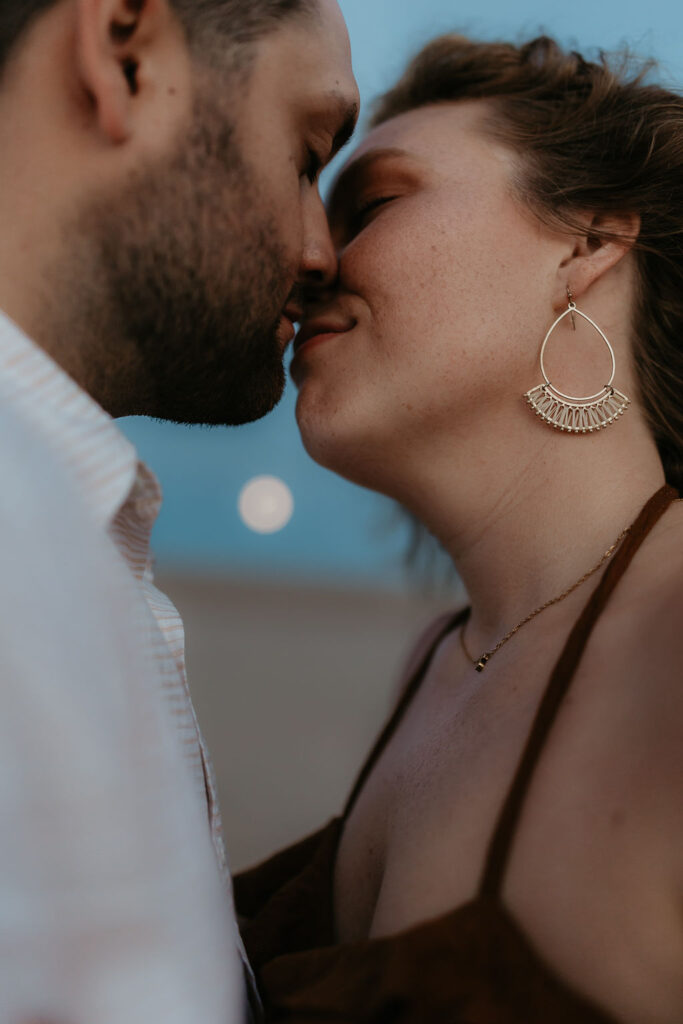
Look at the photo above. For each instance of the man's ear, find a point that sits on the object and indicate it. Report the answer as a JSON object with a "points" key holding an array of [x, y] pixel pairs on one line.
{"points": [[598, 249], [113, 38]]}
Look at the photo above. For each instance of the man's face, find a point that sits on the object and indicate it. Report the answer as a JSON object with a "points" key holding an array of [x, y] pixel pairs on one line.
{"points": [[192, 264]]}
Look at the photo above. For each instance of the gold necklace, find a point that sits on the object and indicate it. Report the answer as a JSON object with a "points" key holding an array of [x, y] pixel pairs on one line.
{"points": [[481, 663]]}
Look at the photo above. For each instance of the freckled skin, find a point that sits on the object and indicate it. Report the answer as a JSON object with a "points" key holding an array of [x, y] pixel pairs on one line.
{"points": [[450, 245]]}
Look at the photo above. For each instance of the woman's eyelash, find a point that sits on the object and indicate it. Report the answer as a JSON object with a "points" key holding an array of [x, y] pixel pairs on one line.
{"points": [[363, 209]]}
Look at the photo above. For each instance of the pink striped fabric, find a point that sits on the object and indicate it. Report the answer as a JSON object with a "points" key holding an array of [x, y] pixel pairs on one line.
{"points": [[124, 496]]}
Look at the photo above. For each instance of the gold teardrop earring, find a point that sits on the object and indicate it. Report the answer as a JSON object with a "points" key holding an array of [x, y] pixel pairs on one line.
{"points": [[577, 415]]}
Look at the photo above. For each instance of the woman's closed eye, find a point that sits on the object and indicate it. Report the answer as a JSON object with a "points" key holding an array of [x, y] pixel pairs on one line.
{"points": [[365, 209], [370, 183]]}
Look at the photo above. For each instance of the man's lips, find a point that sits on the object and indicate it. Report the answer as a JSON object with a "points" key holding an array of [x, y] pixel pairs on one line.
{"points": [[320, 330], [286, 329], [291, 315]]}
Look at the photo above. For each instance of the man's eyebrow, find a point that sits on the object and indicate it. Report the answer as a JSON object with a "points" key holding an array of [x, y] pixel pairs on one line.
{"points": [[347, 116], [355, 170]]}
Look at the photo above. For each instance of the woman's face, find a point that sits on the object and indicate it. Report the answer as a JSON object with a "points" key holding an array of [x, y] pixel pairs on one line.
{"points": [[446, 287]]}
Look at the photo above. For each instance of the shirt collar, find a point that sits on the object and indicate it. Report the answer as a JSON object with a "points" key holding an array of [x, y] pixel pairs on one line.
{"points": [[78, 430]]}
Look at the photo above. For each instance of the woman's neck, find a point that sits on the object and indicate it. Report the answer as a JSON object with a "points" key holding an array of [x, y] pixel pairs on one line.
{"points": [[522, 529]]}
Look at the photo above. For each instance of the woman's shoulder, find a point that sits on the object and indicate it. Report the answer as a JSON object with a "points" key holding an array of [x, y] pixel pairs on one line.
{"points": [[661, 580], [639, 646], [648, 605], [641, 657], [647, 640]]}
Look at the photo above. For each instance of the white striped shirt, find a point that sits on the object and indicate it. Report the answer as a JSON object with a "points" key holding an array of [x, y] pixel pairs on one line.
{"points": [[116, 686]]}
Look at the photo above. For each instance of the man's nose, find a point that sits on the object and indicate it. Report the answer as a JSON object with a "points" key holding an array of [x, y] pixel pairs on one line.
{"points": [[319, 263]]}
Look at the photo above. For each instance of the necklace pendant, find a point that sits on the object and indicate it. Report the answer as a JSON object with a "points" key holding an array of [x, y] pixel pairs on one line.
{"points": [[481, 664]]}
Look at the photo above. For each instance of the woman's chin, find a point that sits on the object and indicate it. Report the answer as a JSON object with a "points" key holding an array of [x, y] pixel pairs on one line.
{"points": [[348, 454], [351, 435], [324, 445]]}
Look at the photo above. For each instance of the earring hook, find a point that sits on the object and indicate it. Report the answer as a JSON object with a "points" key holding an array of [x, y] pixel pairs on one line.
{"points": [[572, 306]]}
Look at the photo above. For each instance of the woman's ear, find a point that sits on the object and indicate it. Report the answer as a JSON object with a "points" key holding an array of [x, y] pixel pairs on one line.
{"points": [[112, 39], [598, 250]]}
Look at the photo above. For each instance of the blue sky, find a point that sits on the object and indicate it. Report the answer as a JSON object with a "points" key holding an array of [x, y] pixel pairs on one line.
{"points": [[339, 533]]}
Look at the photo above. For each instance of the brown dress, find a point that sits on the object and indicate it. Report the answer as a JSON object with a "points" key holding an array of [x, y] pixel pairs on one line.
{"points": [[473, 965]]}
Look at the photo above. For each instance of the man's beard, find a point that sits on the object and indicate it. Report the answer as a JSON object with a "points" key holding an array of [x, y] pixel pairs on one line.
{"points": [[182, 287]]}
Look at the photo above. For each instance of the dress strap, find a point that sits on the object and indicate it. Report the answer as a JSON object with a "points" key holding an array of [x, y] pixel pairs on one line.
{"points": [[560, 680], [445, 626]]}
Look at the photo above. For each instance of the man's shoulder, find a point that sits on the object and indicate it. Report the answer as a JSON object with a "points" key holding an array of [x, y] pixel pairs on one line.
{"points": [[50, 544], [25, 450], [37, 482]]}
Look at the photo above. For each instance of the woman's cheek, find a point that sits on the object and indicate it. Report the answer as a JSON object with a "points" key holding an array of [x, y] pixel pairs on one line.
{"points": [[383, 262]]}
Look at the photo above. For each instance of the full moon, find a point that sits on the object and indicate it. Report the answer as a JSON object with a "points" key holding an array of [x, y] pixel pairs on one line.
{"points": [[266, 504]]}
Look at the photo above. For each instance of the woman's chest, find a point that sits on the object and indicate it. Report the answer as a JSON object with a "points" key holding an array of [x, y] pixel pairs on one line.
{"points": [[578, 876], [414, 844]]}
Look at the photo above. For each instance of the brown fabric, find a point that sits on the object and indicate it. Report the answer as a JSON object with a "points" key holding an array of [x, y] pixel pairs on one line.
{"points": [[560, 682], [473, 965]]}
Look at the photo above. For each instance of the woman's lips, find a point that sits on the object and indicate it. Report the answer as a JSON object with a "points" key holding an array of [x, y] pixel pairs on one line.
{"points": [[317, 339], [315, 332]]}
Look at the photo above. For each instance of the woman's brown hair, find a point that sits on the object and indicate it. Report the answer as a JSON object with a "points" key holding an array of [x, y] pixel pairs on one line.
{"points": [[593, 136]]}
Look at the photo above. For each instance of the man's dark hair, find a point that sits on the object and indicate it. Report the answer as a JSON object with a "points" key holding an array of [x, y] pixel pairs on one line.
{"points": [[239, 21]]}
